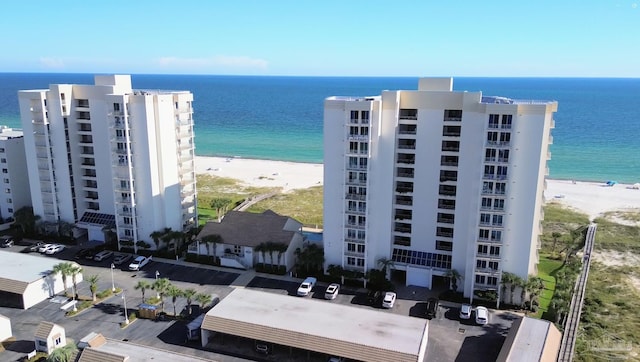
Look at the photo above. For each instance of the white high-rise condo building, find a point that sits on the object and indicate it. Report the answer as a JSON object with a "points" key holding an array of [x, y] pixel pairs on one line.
{"points": [[107, 157], [15, 180], [436, 180]]}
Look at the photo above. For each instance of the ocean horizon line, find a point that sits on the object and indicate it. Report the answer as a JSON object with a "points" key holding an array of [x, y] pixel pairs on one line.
{"points": [[336, 76]]}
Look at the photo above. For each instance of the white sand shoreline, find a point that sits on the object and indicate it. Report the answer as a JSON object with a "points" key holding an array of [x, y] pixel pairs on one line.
{"points": [[591, 198]]}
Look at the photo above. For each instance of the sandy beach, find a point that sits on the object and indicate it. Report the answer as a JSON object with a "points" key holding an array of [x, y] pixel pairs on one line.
{"points": [[590, 198]]}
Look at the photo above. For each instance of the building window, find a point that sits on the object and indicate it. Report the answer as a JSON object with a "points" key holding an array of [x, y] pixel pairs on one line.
{"points": [[116, 107], [414, 257], [492, 280], [506, 121], [453, 115], [401, 240], [1, 149], [237, 249], [364, 116], [4, 170], [480, 279], [354, 116], [6, 180], [7, 191], [58, 341], [444, 245], [493, 120], [9, 201], [483, 234], [10, 209], [496, 235], [128, 232]]}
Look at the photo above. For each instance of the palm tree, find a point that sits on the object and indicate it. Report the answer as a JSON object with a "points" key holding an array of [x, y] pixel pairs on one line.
{"points": [[63, 354], [515, 282], [25, 218], [174, 292], [156, 235], [214, 240], [262, 249], [142, 286], [385, 265], [75, 270], [203, 299], [270, 248], [93, 285], [280, 249], [161, 286], [65, 270], [310, 258], [189, 294], [507, 279], [555, 235], [454, 277], [220, 205], [65, 229]]}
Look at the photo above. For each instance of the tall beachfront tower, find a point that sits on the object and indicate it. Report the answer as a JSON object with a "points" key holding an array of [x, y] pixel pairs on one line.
{"points": [[435, 180], [106, 156], [15, 180]]}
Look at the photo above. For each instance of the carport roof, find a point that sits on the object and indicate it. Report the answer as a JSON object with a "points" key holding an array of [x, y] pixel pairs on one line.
{"points": [[118, 351], [18, 270], [322, 326]]}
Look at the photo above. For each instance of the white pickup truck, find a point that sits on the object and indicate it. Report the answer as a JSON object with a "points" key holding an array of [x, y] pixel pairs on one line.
{"points": [[307, 285]]}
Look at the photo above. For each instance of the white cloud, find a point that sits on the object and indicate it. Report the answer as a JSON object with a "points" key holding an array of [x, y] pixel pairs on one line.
{"points": [[215, 62], [50, 62]]}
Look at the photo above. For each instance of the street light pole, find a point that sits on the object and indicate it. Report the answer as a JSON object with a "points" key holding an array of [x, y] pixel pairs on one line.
{"points": [[113, 286], [126, 315], [157, 275]]}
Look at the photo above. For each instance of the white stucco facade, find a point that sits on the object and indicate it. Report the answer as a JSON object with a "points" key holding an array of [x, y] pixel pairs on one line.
{"points": [[435, 180], [13, 167], [108, 156]]}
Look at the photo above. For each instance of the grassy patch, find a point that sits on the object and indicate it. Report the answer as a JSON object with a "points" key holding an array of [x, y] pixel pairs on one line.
{"points": [[547, 269], [609, 315], [614, 236], [213, 187], [303, 205], [559, 220]]}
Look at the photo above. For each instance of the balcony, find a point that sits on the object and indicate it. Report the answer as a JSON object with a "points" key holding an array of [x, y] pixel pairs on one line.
{"points": [[407, 146], [355, 137], [444, 234], [442, 205], [353, 252], [498, 143], [360, 226], [488, 271], [356, 210], [488, 256], [452, 119], [358, 197], [187, 193], [354, 240], [184, 146], [357, 182], [352, 166], [405, 174], [493, 126]]}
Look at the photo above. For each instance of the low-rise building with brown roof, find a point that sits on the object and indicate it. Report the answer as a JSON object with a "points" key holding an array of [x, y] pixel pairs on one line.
{"points": [[49, 336], [246, 239]]}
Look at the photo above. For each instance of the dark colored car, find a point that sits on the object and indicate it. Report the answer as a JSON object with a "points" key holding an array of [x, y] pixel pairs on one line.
{"points": [[91, 253], [6, 241], [374, 298], [82, 253], [432, 307]]}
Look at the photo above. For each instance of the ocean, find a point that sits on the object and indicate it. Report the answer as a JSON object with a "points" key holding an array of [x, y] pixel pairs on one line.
{"points": [[597, 134]]}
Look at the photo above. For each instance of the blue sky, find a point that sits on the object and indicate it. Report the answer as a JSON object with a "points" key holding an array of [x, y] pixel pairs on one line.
{"points": [[587, 38]]}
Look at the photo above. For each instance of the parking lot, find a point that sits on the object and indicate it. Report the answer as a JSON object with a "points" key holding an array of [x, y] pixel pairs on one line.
{"points": [[449, 338]]}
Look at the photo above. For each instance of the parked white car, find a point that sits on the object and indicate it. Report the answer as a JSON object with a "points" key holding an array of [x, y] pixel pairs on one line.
{"points": [[465, 311], [332, 291], [306, 286], [54, 249], [389, 300], [43, 248], [482, 316], [139, 262]]}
